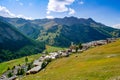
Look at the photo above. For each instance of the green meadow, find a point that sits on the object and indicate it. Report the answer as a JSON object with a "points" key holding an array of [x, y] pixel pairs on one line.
{"points": [[4, 66], [53, 48]]}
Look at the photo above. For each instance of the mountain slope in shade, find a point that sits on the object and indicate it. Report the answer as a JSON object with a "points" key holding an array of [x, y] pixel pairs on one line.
{"points": [[63, 31], [10, 36], [24, 26], [13, 43]]}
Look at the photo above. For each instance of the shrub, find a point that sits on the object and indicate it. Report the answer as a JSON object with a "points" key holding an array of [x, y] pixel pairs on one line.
{"points": [[44, 64], [9, 74], [20, 72]]}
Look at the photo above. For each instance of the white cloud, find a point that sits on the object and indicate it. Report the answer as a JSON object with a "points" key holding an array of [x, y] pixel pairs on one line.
{"points": [[6, 13], [48, 12], [71, 11], [116, 26], [22, 16], [81, 2], [58, 5], [49, 17]]}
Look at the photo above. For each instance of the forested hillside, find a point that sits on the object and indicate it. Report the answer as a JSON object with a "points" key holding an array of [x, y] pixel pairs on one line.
{"points": [[14, 44]]}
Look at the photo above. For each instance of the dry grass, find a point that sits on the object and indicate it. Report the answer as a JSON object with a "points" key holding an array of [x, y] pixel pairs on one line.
{"points": [[100, 63]]}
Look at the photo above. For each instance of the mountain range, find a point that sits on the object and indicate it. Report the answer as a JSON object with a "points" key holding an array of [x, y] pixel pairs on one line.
{"points": [[63, 31]]}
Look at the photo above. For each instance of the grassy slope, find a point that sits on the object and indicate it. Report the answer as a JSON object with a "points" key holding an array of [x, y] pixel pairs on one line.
{"points": [[4, 66], [92, 64], [53, 49]]}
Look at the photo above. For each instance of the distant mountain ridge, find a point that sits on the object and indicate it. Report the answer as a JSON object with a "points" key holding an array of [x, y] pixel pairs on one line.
{"points": [[63, 31]]}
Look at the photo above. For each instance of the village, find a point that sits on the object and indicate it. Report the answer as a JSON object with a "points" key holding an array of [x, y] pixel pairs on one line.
{"points": [[37, 65]]}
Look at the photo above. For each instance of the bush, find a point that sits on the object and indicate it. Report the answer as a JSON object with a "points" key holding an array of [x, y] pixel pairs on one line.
{"points": [[44, 64], [29, 66], [80, 46], [8, 68], [9, 74], [76, 49], [26, 60], [20, 72]]}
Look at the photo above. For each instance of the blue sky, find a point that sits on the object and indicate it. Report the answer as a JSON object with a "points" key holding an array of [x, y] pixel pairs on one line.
{"points": [[104, 11]]}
